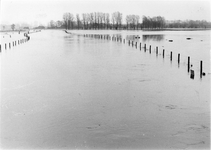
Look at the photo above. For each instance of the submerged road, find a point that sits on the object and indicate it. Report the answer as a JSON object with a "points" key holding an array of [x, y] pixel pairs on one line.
{"points": [[64, 91]]}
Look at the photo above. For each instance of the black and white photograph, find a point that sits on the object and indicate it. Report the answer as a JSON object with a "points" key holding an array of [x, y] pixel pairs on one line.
{"points": [[105, 74]]}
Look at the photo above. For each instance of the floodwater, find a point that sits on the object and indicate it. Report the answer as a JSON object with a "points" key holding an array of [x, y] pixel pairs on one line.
{"points": [[67, 91]]}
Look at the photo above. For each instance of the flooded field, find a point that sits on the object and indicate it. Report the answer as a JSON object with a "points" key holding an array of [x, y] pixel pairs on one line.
{"points": [[62, 91]]}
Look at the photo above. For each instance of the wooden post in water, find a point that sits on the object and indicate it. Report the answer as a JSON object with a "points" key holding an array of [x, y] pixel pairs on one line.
{"points": [[150, 49], [178, 58], [129, 42], [171, 56], [163, 53], [0, 47], [201, 69], [132, 43], [188, 63], [192, 74], [5, 46], [145, 47], [156, 50], [140, 46], [136, 44]]}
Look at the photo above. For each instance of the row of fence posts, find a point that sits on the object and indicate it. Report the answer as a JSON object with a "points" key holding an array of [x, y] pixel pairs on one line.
{"points": [[14, 43], [113, 38]]}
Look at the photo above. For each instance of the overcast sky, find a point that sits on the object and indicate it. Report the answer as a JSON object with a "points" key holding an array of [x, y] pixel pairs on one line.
{"points": [[42, 11]]}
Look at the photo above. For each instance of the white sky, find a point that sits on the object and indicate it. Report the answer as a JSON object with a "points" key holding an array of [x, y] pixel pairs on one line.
{"points": [[42, 11]]}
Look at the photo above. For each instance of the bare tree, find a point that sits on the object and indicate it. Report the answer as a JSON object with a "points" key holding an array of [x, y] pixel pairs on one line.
{"points": [[78, 20], [13, 27], [107, 19], [117, 19], [157, 22], [88, 20], [52, 24], [95, 20], [113, 19], [65, 18], [98, 19], [71, 19], [59, 24], [137, 21], [84, 20], [91, 17], [68, 20], [127, 21]]}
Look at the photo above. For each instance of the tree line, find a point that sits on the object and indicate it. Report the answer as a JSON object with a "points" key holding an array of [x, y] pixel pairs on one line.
{"points": [[100, 20]]}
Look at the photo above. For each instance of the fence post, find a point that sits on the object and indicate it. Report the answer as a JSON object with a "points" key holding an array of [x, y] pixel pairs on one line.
{"points": [[201, 65], [150, 49], [163, 53], [178, 58], [188, 63], [145, 47]]}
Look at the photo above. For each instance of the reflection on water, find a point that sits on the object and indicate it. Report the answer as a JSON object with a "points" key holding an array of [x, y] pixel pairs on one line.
{"points": [[152, 37], [132, 37]]}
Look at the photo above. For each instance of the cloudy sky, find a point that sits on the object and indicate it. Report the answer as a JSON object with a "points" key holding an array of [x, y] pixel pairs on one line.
{"points": [[42, 11]]}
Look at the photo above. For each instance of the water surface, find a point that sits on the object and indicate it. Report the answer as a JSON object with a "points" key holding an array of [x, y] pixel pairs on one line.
{"points": [[66, 91]]}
